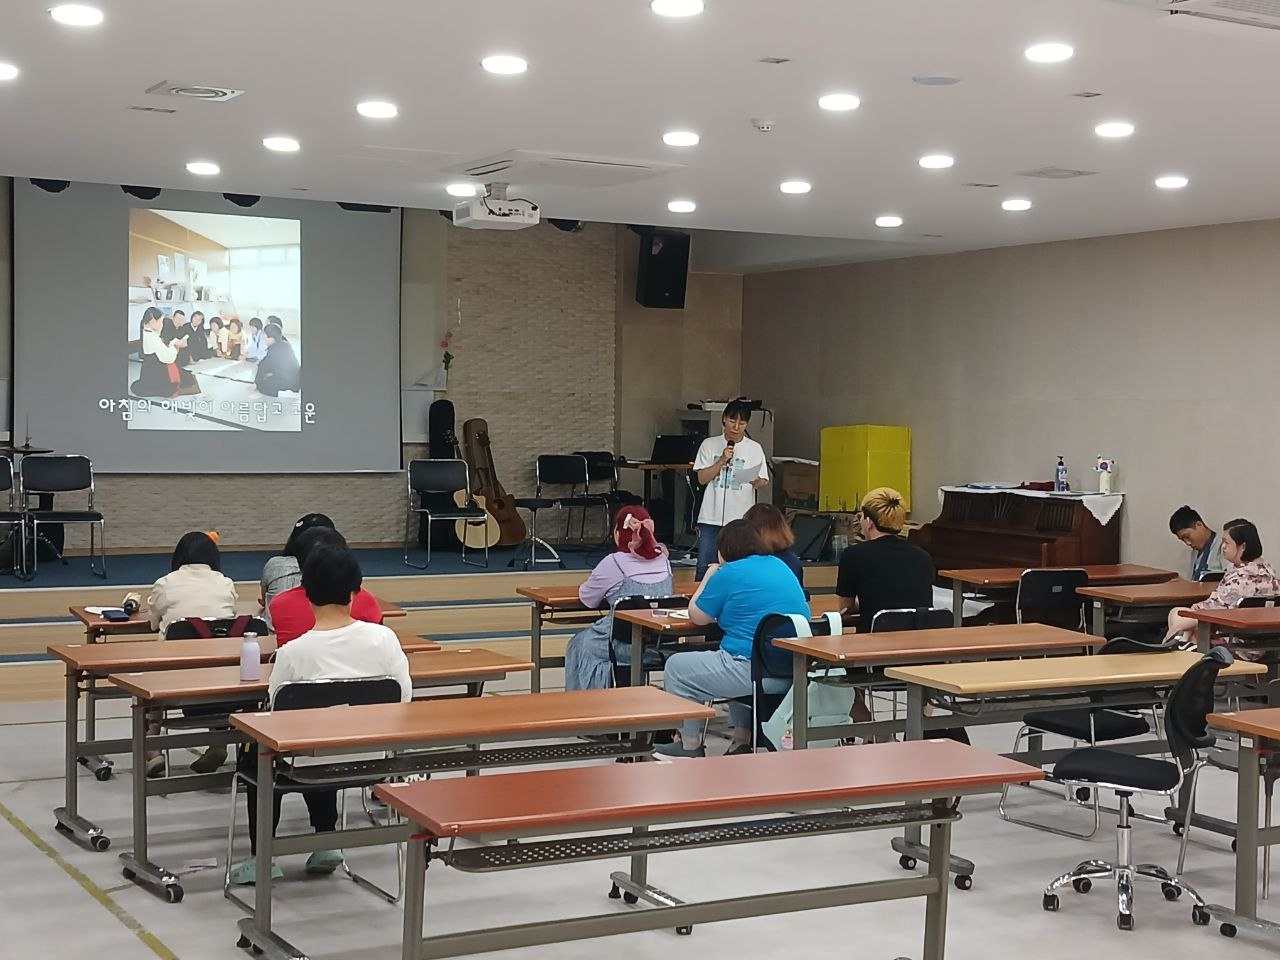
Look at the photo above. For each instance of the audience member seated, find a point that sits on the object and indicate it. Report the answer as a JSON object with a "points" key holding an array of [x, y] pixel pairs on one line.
{"points": [[338, 648], [776, 534], [639, 567], [1247, 575], [883, 571], [1206, 554], [195, 587], [283, 572], [736, 593], [291, 612]]}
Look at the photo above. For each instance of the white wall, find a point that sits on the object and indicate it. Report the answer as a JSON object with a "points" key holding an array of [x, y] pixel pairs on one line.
{"points": [[1158, 349]]}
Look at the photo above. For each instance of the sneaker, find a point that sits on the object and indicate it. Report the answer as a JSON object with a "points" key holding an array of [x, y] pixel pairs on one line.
{"points": [[245, 873], [324, 861], [210, 760], [739, 749], [155, 766], [676, 749]]}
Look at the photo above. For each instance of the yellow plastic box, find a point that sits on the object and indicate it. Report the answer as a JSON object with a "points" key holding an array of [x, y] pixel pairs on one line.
{"points": [[859, 458]]}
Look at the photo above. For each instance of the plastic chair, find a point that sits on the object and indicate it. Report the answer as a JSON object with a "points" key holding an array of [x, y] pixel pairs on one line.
{"points": [[60, 473], [440, 476]]}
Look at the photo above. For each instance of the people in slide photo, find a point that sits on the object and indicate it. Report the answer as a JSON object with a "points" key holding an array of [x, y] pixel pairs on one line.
{"points": [[279, 370], [255, 341], [160, 375], [218, 337], [198, 338], [181, 331], [235, 338]]}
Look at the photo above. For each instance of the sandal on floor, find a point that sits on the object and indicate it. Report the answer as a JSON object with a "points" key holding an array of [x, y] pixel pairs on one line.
{"points": [[324, 862], [245, 873]]}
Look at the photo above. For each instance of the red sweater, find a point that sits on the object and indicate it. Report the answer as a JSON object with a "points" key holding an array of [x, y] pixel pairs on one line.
{"points": [[292, 616]]}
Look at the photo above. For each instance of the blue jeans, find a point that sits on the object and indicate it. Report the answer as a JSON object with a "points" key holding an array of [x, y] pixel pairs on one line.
{"points": [[707, 555], [706, 675]]}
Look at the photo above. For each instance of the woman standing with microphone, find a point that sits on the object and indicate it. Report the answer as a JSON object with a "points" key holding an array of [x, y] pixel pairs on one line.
{"points": [[731, 467]]}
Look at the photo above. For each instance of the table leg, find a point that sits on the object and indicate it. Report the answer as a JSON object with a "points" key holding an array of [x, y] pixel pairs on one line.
{"points": [[415, 883], [1099, 623], [96, 763], [935, 914], [67, 816], [137, 865], [266, 835], [1247, 830], [1203, 632], [957, 603], [799, 701], [637, 654], [535, 647]]}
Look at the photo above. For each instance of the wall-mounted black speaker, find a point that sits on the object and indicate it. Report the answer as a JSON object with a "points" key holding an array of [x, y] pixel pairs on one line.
{"points": [[52, 186], [365, 207], [663, 270], [142, 193], [241, 199]]}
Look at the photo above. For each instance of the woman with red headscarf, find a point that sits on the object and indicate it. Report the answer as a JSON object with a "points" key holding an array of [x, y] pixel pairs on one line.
{"points": [[638, 568]]}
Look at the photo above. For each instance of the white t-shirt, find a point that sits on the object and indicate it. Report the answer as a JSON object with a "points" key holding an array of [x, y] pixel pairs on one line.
{"points": [[348, 653], [730, 495]]}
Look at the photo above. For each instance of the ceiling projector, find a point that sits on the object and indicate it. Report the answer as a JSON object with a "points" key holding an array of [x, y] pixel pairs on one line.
{"points": [[493, 211]]}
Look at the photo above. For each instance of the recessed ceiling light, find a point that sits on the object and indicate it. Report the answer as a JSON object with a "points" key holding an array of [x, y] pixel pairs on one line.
{"points": [[461, 189], [936, 161], [676, 8], [1049, 52], [504, 64], [377, 109], [281, 144], [8, 71], [203, 168], [839, 101], [76, 15], [1172, 181], [889, 220], [682, 206], [1016, 205], [1113, 129], [680, 138], [795, 186]]}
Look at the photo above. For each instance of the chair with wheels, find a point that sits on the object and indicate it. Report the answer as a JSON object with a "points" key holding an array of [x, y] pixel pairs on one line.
{"points": [[49, 474], [1049, 596], [1186, 730], [1087, 725], [426, 477], [292, 778]]}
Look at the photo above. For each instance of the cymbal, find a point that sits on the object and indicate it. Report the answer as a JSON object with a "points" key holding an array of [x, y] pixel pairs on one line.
{"points": [[26, 448]]}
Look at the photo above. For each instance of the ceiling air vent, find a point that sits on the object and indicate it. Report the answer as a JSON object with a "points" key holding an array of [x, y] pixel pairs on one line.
{"points": [[985, 186], [1248, 13], [195, 91], [532, 167], [154, 109], [1087, 94], [1056, 173]]}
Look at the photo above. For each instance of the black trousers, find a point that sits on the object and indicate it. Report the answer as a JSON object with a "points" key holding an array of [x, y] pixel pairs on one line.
{"points": [[322, 805]]}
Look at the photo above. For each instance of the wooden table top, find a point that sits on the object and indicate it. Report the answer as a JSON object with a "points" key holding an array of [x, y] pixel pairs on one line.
{"points": [[1239, 618], [1057, 673], [592, 797], [649, 619], [100, 624], [175, 654], [452, 721], [1171, 592], [156, 685], [1264, 723], [1003, 638], [390, 609], [560, 597], [1098, 574]]}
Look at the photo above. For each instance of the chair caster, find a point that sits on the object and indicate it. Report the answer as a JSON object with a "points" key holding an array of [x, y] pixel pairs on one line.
{"points": [[102, 774], [100, 843], [964, 881], [684, 931], [1082, 885], [1170, 892], [1084, 794], [1124, 921], [243, 942], [1199, 916], [1233, 846], [628, 897], [1227, 930], [1049, 903], [614, 892], [907, 862], [1177, 829], [173, 893], [127, 873]]}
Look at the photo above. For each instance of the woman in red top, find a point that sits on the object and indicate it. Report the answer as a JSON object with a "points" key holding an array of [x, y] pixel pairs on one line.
{"points": [[291, 612]]}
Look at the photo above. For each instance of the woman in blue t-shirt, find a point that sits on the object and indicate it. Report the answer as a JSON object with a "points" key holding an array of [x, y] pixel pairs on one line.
{"points": [[736, 593]]}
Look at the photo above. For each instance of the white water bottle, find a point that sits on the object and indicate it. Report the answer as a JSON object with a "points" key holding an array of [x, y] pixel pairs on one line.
{"points": [[1060, 477], [250, 659]]}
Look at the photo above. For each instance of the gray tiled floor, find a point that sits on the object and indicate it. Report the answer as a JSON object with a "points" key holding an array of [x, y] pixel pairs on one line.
{"points": [[331, 918]]}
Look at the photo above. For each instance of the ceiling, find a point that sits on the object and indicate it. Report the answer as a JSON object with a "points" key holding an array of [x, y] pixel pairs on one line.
{"points": [[606, 79], [233, 231]]}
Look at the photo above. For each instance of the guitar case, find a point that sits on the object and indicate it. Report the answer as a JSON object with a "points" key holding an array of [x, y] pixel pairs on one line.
{"points": [[442, 444]]}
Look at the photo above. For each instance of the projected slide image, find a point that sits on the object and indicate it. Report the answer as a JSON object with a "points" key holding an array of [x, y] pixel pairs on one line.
{"points": [[214, 323]]}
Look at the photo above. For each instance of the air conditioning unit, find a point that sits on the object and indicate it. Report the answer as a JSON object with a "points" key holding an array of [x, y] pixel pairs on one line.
{"points": [[562, 170], [1246, 13]]}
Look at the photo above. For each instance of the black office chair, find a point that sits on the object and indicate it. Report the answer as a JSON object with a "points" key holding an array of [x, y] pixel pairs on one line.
{"points": [[771, 668], [893, 621], [304, 695], [1211, 576], [204, 628], [1091, 725], [620, 637], [54, 474], [426, 477], [1049, 596], [552, 470], [602, 477], [570, 470], [11, 516], [1189, 704]]}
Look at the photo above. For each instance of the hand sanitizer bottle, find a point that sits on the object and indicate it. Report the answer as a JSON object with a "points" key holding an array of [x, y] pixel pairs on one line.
{"points": [[250, 659], [1060, 477]]}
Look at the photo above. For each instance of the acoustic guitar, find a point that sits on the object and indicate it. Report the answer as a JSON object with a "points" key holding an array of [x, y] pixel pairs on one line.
{"points": [[476, 535], [475, 437]]}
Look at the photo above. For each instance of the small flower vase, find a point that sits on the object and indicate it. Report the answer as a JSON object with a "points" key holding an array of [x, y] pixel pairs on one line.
{"points": [[1104, 481]]}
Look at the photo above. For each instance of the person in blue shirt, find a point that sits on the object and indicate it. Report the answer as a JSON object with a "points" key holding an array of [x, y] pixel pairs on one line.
{"points": [[736, 594], [1206, 553], [255, 342]]}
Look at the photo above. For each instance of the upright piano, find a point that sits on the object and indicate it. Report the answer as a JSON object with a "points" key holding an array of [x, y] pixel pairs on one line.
{"points": [[1008, 529]]}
